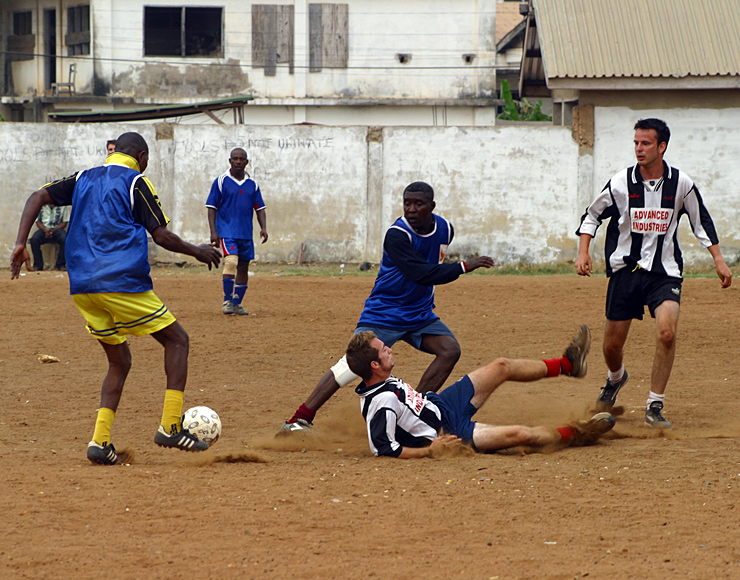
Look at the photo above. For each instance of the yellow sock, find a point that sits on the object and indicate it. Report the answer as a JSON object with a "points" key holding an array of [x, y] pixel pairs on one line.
{"points": [[172, 412], [103, 425]]}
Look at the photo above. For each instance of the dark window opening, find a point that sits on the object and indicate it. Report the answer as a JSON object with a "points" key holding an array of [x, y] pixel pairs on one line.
{"points": [[78, 30], [182, 31], [22, 23]]}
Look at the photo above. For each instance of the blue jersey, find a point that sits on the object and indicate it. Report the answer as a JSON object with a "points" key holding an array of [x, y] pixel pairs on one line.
{"points": [[403, 295], [113, 207], [234, 202]]}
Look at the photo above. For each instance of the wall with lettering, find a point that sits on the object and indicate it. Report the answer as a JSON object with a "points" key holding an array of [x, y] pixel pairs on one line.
{"points": [[513, 192]]}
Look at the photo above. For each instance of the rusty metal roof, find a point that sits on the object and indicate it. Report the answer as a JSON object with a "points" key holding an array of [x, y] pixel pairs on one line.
{"points": [[639, 38]]}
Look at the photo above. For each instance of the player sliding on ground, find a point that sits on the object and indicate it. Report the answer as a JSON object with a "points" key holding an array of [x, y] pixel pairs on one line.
{"points": [[404, 423], [113, 207], [401, 304]]}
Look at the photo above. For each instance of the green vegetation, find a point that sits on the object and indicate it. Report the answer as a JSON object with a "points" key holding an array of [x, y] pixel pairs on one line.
{"points": [[520, 110]]}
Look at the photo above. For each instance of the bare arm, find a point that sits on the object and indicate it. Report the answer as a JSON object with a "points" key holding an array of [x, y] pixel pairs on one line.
{"points": [[262, 221], [31, 210], [583, 261], [215, 240], [440, 443], [169, 241], [723, 271]]}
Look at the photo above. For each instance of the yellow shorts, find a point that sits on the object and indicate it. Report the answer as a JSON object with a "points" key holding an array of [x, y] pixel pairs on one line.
{"points": [[111, 315]]}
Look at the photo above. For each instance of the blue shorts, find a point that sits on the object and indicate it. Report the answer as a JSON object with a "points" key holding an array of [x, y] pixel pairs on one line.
{"points": [[242, 248], [456, 408], [390, 336]]}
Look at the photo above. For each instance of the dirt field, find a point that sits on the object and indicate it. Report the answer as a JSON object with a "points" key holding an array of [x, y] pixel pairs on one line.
{"points": [[640, 504]]}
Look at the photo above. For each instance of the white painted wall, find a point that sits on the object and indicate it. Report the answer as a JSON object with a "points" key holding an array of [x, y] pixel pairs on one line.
{"points": [[513, 192]]}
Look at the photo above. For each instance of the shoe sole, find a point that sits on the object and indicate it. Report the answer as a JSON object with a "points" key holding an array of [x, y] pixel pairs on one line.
{"points": [[601, 423], [658, 424], [582, 342]]}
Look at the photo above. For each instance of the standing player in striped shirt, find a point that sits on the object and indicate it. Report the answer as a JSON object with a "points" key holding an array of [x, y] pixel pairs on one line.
{"points": [[403, 423], [644, 204], [233, 198]]}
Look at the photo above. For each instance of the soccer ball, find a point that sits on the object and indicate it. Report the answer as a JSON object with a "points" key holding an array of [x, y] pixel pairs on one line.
{"points": [[203, 422]]}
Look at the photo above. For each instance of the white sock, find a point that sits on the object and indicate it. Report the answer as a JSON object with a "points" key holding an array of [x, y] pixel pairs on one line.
{"points": [[654, 397], [615, 376]]}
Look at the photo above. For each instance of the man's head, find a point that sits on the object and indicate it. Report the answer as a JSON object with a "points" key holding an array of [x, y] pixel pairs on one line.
{"points": [[238, 161], [110, 146], [134, 145], [418, 205], [367, 356], [651, 140]]}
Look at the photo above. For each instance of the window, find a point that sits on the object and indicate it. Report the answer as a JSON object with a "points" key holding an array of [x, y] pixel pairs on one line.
{"points": [[22, 23], [78, 30], [272, 37], [182, 31], [328, 34], [22, 42]]}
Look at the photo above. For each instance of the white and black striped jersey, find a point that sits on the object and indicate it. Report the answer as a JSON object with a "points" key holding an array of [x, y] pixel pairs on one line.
{"points": [[643, 220], [397, 416]]}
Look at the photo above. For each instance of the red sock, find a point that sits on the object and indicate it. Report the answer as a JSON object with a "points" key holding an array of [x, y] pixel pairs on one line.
{"points": [[304, 413], [566, 433], [558, 366]]}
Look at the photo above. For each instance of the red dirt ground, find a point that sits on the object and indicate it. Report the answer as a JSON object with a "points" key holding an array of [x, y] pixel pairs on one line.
{"points": [[640, 504]]}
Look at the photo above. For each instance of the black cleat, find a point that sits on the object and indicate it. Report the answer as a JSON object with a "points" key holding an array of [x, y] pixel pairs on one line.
{"points": [[183, 440], [608, 395], [102, 455]]}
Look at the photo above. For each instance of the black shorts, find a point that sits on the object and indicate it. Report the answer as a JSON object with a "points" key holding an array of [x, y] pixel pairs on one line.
{"points": [[631, 290]]}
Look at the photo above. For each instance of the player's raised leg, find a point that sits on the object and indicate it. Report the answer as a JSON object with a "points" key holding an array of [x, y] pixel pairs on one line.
{"points": [[446, 351]]}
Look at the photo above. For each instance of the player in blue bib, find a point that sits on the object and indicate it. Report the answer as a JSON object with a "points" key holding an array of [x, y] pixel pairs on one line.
{"points": [[401, 304], [233, 199], [113, 208]]}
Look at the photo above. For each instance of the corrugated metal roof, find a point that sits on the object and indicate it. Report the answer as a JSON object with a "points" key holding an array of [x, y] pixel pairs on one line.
{"points": [[639, 38]]}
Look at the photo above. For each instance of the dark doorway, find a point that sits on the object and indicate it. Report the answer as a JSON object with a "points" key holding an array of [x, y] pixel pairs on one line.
{"points": [[50, 47]]}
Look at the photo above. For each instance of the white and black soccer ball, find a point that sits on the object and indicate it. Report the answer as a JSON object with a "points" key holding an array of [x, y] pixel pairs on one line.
{"points": [[203, 422]]}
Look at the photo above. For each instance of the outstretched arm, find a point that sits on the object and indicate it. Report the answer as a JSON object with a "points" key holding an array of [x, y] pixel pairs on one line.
{"points": [[170, 241], [414, 267], [28, 217]]}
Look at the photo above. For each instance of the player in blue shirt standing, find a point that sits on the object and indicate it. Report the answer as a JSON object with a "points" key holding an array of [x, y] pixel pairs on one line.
{"points": [[401, 304], [234, 196]]}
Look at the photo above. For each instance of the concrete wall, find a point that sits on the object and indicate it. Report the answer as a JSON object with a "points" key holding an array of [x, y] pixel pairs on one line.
{"points": [[513, 192]]}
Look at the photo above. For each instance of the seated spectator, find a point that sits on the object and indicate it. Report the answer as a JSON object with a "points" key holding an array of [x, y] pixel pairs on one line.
{"points": [[52, 223]]}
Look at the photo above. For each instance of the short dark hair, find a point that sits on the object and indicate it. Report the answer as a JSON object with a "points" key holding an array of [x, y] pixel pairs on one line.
{"points": [[239, 149], [420, 187], [360, 353], [660, 127], [131, 144], [110, 142]]}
